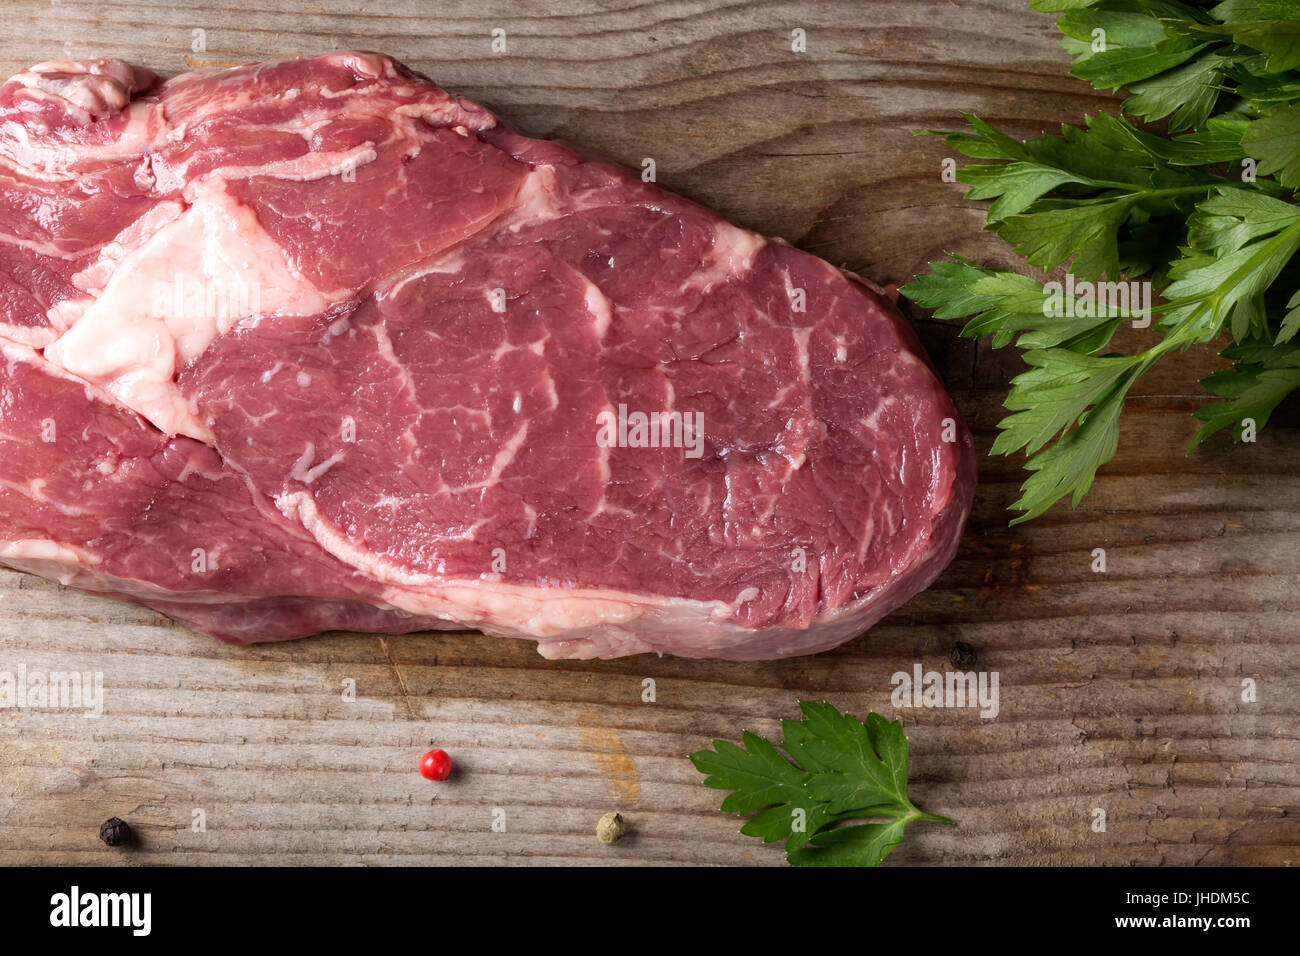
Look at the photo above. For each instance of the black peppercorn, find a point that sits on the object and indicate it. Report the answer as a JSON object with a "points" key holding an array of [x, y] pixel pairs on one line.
{"points": [[115, 831], [962, 655]]}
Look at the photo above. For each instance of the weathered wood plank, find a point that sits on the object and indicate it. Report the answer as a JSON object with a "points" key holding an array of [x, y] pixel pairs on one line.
{"points": [[1119, 691]]}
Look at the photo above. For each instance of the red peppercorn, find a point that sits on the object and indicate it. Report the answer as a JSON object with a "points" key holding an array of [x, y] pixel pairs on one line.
{"points": [[435, 765]]}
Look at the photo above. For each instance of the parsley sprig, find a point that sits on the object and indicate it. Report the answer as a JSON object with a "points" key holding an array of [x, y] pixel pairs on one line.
{"points": [[1206, 213], [837, 769]]}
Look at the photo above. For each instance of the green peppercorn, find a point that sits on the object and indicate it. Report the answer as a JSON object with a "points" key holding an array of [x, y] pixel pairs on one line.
{"points": [[610, 829]]}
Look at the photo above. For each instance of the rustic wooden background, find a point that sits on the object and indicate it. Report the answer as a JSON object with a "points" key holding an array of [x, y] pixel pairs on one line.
{"points": [[1120, 691]]}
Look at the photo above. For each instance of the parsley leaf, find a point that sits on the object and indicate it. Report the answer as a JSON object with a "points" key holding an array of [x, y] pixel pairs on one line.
{"points": [[1070, 198], [1238, 244], [1055, 393], [1270, 26], [1069, 466], [1012, 307], [1115, 48], [1189, 93], [1254, 387], [1088, 233], [1274, 140], [863, 845], [838, 769]]}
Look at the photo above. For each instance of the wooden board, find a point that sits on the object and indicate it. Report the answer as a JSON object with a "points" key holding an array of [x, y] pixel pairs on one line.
{"points": [[1120, 691]]}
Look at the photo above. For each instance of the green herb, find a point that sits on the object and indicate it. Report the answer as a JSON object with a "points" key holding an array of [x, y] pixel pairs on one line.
{"points": [[835, 769], [1207, 214]]}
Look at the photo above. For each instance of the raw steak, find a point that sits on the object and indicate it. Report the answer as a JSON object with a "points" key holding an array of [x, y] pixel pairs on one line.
{"points": [[313, 344]]}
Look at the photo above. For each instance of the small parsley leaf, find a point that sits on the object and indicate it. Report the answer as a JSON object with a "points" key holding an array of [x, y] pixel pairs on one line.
{"points": [[1274, 140], [1254, 387], [838, 769], [1069, 466]]}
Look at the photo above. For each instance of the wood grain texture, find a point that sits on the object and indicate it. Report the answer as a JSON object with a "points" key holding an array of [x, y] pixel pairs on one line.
{"points": [[1119, 691]]}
